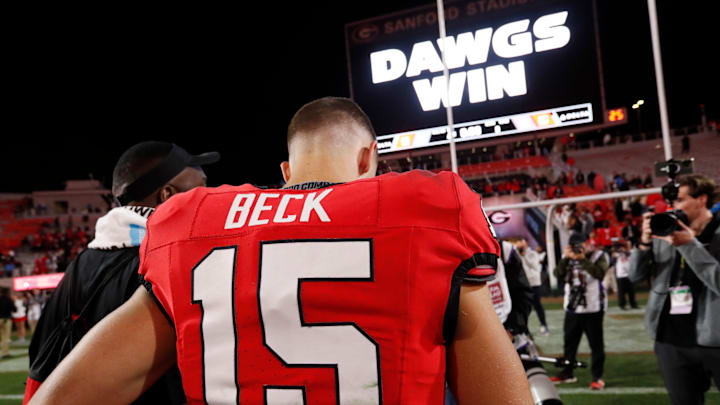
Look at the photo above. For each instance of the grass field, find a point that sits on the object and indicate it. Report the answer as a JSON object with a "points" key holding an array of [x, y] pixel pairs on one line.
{"points": [[631, 370]]}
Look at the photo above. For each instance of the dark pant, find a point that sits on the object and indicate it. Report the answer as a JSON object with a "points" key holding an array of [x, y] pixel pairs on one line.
{"points": [[687, 371], [592, 325], [537, 293], [625, 287]]}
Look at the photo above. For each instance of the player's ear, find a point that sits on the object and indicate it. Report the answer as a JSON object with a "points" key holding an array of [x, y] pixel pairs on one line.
{"points": [[367, 160], [285, 168]]}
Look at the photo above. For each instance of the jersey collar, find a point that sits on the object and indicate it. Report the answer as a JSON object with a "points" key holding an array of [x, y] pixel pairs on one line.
{"points": [[311, 185]]}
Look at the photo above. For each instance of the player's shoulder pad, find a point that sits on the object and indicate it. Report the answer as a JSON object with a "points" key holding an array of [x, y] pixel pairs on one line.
{"points": [[173, 220], [419, 197]]}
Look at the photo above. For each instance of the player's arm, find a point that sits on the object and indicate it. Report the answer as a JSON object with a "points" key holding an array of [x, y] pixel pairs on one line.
{"points": [[117, 360], [483, 365]]}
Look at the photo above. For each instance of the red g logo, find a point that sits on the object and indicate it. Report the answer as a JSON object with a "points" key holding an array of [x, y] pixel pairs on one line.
{"points": [[365, 33]]}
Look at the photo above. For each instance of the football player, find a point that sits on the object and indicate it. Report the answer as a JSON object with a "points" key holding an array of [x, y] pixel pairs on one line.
{"points": [[341, 288]]}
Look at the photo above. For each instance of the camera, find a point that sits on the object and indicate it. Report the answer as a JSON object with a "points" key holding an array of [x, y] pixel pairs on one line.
{"points": [[577, 248], [666, 223]]}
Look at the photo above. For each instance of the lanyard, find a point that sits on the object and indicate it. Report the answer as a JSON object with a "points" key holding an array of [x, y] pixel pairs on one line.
{"points": [[679, 279]]}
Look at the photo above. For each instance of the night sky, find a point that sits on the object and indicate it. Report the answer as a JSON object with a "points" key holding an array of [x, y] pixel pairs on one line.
{"points": [[81, 86]]}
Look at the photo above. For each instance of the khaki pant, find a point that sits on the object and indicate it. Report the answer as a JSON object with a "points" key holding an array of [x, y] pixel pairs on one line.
{"points": [[5, 330]]}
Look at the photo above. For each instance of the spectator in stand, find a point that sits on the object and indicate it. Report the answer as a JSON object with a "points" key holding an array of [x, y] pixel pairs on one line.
{"points": [[591, 178], [580, 177], [588, 223], [625, 287], [8, 267], [624, 183], [41, 265], [598, 214], [598, 183], [7, 306], [648, 181], [636, 207], [574, 225], [52, 262], [685, 144], [619, 212], [19, 315], [630, 232]]}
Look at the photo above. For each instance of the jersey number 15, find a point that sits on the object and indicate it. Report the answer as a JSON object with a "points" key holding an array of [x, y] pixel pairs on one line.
{"points": [[284, 266]]}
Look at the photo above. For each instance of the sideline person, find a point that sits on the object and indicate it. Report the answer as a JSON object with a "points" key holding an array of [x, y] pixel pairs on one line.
{"points": [[532, 265], [585, 302], [104, 275], [7, 306], [19, 315], [683, 309]]}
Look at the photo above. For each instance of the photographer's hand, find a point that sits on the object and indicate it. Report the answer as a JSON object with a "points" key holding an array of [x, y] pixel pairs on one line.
{"points": [[680, 237], [646, 236]]}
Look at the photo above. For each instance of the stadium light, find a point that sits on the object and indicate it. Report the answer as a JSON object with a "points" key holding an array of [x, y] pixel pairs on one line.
{"points": [[636, 107]]}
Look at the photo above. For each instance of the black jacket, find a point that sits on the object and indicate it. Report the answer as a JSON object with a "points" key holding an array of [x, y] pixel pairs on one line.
{"points": [[117, 271], [520, 293], [7, 306]]}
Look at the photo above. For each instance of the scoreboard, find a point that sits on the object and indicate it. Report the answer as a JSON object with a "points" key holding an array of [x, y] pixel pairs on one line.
{"points": [[515, 66]]}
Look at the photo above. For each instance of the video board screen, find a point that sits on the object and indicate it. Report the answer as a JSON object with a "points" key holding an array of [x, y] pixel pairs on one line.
{"points": [[41, 282], [515, 66]]}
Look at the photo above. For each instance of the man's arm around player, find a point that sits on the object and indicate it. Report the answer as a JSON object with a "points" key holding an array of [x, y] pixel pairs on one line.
{"points": [[117, 360]]}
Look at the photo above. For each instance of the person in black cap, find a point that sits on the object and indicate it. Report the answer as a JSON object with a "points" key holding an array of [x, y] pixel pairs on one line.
{"points": [[585, 302], [105, 275]]}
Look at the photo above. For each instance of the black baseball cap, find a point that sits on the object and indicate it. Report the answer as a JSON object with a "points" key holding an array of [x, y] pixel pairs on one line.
{"points": [[175, 162]]}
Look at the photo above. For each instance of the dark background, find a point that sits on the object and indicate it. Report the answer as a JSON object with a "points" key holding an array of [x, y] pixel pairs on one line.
{"points": [[81, 85]]}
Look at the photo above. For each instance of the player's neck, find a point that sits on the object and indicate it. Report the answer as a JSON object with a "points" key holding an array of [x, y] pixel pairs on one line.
{"points": [[318, 171]]}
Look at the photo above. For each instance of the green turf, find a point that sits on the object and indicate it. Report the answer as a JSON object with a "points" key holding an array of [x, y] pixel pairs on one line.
{"points": [[13, 382], [612, 303], [628, 399], [621, 370]]}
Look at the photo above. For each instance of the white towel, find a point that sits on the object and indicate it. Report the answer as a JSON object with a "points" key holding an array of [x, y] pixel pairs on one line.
{"points": [[122, 227]]}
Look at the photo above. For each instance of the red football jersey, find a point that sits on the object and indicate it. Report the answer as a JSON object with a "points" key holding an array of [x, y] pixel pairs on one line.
{"points": [[344, 294]]}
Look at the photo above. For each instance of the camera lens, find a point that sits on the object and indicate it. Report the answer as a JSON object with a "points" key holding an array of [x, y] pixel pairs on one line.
{"points": [[663, 224], [666, 223]]}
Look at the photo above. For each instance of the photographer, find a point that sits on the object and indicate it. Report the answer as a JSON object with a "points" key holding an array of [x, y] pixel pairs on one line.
{"points": [[683, 310], [585, 302]]}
